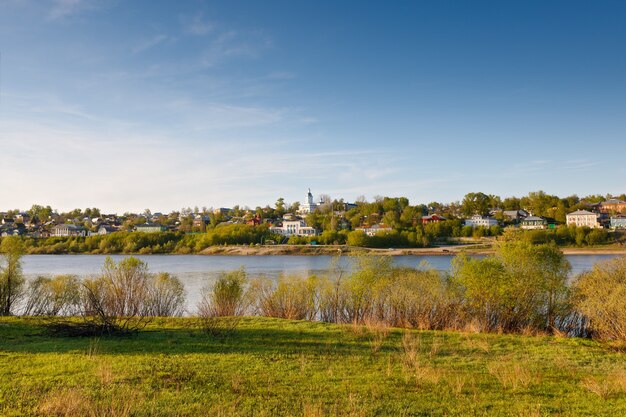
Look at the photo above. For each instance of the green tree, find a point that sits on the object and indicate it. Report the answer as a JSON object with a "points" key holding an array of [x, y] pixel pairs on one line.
{"points": [[521, 286], [476, 203], [11, 276]]}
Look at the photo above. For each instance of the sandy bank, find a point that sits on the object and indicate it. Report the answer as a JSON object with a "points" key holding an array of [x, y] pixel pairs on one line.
{"points": [[310, 250]]}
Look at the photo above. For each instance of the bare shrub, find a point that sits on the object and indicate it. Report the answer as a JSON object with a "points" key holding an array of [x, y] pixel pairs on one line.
{"points": [[119, 300], [367, 289], [167, 296], [420, 299], [223, 303], [226, 296], [53, 296], [292, 297], [122, 300], [600, 295]]}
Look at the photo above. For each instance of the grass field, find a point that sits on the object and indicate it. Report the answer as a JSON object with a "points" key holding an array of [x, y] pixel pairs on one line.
{"points": [[271, 367]]}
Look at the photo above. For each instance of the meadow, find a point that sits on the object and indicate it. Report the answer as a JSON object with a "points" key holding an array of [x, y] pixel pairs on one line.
{"points": [[279, 367]]}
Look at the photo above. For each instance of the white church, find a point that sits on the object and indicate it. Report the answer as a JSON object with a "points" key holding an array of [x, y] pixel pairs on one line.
{"points": [[309, 206]]}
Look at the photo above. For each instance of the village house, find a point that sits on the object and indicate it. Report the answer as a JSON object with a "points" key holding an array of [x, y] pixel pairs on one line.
{"points": [[150, 228], [63, 230], [612, 205], [583, 218], [618, 221], [201, 220], [478, 221], [514, 215], [533, 223], [293, 227], [433, 218], [106, 229], [375, 229]]}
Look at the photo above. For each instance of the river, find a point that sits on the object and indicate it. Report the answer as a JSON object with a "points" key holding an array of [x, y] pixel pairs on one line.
{"points": [[197, 271]]}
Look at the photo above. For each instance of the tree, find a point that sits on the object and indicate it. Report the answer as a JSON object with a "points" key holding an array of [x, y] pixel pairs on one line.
{"points": [[280, 207], [11, 276], [521, 286], [119, 300], [476, 203]]}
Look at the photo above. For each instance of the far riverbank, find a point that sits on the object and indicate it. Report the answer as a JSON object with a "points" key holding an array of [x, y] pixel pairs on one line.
{"points": [[329, 250]]}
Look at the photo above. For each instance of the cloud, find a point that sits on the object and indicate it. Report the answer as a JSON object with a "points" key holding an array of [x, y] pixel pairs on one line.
{"points": [[64, 8], [149, 43], [235, 44], [197, 25]]}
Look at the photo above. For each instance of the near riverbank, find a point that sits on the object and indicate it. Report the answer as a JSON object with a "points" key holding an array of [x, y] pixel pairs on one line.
{"points": [[275, 367]]}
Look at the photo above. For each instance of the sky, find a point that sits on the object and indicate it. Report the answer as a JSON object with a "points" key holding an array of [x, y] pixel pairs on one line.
{"points": [[128, 105]]}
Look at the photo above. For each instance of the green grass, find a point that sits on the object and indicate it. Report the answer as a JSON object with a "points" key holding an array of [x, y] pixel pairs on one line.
{"points": [[272, 367]]}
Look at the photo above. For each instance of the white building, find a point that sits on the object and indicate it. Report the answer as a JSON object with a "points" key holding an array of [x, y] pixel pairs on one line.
{"points": [[294, 227], [68, 230], [478, 220], [374, 230], [582, 218], [309, 206]]}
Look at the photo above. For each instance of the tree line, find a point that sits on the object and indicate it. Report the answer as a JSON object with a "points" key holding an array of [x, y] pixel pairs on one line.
{"points": [[522, 288]]}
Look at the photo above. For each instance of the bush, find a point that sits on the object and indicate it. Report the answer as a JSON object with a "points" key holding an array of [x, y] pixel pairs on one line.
{"points": [[293, 298], [167, 296], [520, 287], [119, 300], [53, 296], [600, 296], [226, 297], [223, 303]]}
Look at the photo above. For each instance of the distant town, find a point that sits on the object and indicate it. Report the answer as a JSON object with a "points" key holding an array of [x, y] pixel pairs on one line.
{"points": [[384, 221]]}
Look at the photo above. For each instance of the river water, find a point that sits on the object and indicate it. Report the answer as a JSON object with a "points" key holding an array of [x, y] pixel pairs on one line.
{"points": [[196, 271]]}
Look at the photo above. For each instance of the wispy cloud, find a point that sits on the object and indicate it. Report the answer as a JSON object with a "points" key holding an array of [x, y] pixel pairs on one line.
{"points": [[197, 25], [235, 44], [146, 44], [64, 8]]}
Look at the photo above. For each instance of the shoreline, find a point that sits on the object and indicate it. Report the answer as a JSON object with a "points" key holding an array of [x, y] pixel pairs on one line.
{"points": [[332, 250], [299, 250]]}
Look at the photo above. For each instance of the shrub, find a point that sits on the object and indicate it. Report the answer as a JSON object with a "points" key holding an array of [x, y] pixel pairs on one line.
{"points": [[119, 300], [226, 297], [293, 298], [167, 296], [521, 286], [600, 295], [53, 296]]}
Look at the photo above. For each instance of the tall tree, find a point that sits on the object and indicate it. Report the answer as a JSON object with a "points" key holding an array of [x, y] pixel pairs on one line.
{"points": [[11, 276]]}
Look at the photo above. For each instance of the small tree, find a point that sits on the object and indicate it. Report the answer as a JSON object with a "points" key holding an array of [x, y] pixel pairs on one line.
{"points": [[11, 276], [167, 296], [223, 302], [600, 296], [119, 300]]}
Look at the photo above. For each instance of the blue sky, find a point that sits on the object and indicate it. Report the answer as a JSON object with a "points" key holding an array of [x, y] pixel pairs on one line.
{"points": [[127, 105]]}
